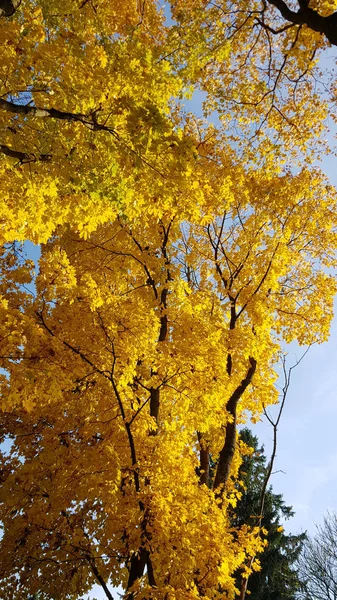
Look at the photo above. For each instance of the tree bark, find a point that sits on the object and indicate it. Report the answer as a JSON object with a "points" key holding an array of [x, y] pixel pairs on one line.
{"points": [[204, 460], [228, 449], [24, 157], [8, 7], [308, 16]]}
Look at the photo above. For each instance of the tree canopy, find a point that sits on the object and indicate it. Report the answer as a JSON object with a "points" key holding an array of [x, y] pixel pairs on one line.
{"points": [[177, 256]]}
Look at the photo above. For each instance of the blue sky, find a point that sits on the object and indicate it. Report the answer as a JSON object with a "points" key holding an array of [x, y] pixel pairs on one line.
{"points": [[306, 463], [307, 440]]}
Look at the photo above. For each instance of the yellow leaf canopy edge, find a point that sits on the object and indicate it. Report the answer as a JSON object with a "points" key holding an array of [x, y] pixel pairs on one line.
{"points": [[177, 258]]}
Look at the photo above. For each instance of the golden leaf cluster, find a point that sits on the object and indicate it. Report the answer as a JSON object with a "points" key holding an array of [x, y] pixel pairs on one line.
{"points": [[177, 259]]}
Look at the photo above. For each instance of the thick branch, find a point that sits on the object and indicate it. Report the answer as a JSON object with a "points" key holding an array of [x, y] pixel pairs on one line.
{"points": [[163, 324], [89, 121], [286, 12], [310, 17], [163, 331], [137, 567], [52, 113], [228, 449], [142, 558], [99, 578], [24, 157], [154, 406], [155, 392], [8, 7], [139, 561], [150, 572], [204, 459]]}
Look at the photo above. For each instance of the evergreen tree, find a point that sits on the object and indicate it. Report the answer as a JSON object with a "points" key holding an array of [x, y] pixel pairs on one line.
{"points": [[277, 579]]}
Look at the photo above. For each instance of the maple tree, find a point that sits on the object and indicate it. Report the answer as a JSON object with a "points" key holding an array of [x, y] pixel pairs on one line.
{"points": [[176, 258]]}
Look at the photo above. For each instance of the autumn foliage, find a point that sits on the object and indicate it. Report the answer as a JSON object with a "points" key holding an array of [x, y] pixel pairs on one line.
{"points": [[177, 257]]}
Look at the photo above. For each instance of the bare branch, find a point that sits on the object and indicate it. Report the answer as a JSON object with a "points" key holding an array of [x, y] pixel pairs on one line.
{"points": [[269, 472]]}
